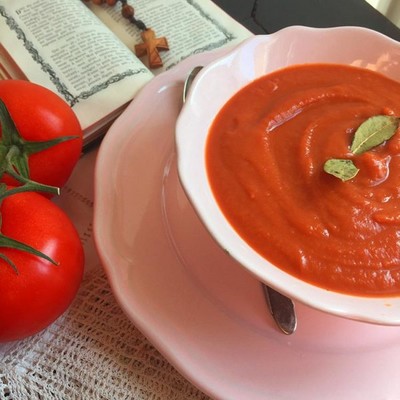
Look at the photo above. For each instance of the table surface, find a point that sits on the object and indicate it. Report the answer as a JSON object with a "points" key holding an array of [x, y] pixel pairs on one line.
{"points": [[268, 16], [148, 375]]}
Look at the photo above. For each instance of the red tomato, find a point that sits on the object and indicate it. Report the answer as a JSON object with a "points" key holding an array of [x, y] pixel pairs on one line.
{"points": [[39, 115], [41, 291]]}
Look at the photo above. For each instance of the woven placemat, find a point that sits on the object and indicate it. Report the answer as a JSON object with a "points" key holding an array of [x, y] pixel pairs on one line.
{"points": [[92, 351]]}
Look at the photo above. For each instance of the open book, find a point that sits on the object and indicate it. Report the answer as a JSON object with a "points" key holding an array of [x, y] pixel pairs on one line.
{"points": [[84, 52]]}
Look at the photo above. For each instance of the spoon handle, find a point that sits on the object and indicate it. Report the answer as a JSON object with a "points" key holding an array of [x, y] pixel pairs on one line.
{"points": [[189, 80], [281, 307], [282, 310]]}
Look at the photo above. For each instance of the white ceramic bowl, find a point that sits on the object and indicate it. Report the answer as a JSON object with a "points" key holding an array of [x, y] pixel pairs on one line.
{"points": [[210, 91]]}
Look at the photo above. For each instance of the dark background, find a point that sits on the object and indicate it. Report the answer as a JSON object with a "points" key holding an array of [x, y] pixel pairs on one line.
{"points": [[268, 16]]}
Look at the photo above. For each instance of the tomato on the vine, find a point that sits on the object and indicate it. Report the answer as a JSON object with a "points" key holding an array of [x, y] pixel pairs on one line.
{"points": [[41, 115], [37, 292]]}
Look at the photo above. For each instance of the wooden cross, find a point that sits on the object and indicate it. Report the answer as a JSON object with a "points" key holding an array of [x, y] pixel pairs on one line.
{"points": [[151, 46]]}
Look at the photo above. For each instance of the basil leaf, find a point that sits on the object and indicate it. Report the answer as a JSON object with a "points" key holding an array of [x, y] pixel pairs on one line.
{"points": [[342, 169], [373, 132]]}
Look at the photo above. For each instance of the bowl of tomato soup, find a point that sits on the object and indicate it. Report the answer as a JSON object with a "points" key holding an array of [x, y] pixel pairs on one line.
{"points": [[289, 150]]}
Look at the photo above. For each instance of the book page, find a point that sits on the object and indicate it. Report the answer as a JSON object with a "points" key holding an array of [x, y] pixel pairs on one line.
{"points": [[191, 26], [61, 45]]}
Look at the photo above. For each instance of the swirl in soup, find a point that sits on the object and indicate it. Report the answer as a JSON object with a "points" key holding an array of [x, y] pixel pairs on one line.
{"points": [[265, 158]]}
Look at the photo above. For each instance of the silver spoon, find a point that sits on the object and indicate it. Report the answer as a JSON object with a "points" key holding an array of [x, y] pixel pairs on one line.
{"points": [[280, 306], [282, 310], [189, 80]]}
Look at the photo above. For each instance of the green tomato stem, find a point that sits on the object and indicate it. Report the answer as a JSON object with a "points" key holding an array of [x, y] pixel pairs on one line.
{"points": [[14, 154], [31, 147], [28, 186], [10, 243], [10, 263], [15, 150]]}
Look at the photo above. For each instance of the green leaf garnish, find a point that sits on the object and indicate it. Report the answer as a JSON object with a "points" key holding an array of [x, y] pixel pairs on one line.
{"points": [[373, 132], [342, 169]]}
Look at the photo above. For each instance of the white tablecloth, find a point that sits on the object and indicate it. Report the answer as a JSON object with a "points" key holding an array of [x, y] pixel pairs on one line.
{"points": [[92, 351]]}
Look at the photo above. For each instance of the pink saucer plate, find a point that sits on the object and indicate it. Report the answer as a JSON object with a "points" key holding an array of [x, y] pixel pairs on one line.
{"points": [[199, 308]]}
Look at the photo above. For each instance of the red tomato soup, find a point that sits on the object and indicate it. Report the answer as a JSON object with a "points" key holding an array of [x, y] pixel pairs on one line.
{"points": [[265, 159]]}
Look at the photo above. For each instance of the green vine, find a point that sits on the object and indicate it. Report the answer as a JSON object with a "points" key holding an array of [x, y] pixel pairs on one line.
{"points": [[14, 157]]}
